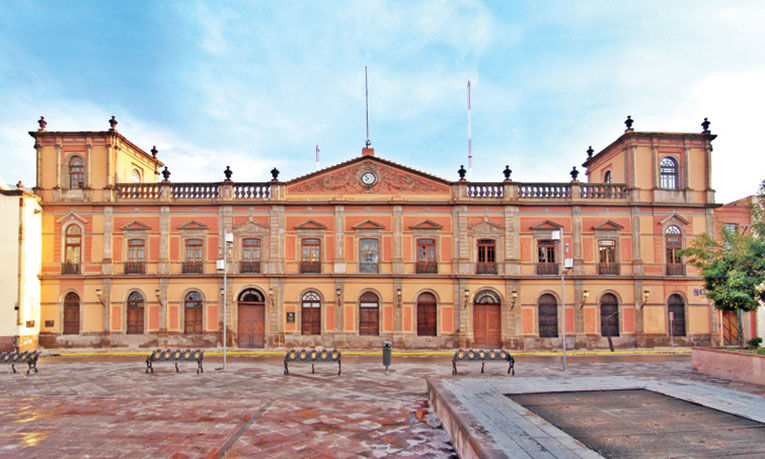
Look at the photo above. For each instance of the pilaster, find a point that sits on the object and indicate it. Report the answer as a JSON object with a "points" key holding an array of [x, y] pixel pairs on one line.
{"points": [[106, 263], [576, 213], [339, 239], [276, 240], [637, 259], [398, 243], [512, 241], [164, 240]]}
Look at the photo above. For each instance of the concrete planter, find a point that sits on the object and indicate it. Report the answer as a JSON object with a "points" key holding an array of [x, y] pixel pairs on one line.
{"points": [[738, 366]]}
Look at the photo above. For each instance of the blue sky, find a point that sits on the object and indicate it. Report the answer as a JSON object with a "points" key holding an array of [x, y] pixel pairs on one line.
{"points": [[255, 85]]}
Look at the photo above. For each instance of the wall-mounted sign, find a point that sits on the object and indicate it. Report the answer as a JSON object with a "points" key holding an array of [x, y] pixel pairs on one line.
{"points": [[30, 324], [290, 317]]}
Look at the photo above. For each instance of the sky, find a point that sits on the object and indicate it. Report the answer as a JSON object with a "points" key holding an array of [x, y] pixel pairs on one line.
{"points": [[256, 85]]}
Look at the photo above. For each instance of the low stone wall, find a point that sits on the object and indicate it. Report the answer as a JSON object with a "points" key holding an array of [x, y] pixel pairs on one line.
{"points": [[738, 366]]}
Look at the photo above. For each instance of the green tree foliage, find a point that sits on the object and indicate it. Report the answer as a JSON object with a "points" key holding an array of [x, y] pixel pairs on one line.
{"points": [[733, 268]]}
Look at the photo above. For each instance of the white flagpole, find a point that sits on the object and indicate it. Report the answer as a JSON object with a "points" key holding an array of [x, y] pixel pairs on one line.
{"points": [[470, 135]]}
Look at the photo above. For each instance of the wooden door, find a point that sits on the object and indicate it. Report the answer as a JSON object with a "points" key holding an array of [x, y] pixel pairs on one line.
{"points": [[730, 328], [426, 315], [487, 330], [252, 325], [72, 319], [135, 320]]}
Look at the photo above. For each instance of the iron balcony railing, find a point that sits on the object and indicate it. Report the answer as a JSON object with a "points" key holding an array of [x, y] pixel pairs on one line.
{"points": [[675, 269], [608, 268], [135, 267], [192, 267], [310, 267], [427, 267], [70, 268], [487, 267], [249, 267], [547, 268]]}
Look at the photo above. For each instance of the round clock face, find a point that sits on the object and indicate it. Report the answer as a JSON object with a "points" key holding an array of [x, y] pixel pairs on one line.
{"points": [[368, 178]]}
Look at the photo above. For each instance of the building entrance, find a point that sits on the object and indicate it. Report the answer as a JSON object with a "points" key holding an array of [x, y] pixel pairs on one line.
{"points": [[487, 329], [252, 319]]}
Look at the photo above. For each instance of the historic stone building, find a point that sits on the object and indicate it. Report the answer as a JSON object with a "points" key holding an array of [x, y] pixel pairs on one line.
{"points": [[369, 250]]}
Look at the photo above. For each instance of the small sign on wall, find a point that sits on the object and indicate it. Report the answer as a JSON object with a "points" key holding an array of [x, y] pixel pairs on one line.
{"points": [[290, 317], [699, 291], [49, 323], [30, 324]]}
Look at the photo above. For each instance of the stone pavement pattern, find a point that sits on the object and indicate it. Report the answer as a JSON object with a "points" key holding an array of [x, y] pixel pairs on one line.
{"points": [[110, 409]]}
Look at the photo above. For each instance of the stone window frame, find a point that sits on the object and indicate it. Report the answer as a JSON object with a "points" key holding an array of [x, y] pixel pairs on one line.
{"points": [[64, 229], [68, 170], [545, 234], [608, 176], [250, 230], [608, 230], [417, 235], [677, 175], [487, 230]]}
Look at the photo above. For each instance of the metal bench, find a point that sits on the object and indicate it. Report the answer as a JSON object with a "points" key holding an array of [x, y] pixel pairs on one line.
{"points": [[483, 356], [14, 357], [312, 356], [175, 356]]}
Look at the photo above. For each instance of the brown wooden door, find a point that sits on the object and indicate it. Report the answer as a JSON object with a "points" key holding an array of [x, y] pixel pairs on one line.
{"points": [[487, 331], [72, 319], [426, 315], [730, 328], [369, 321], [252, 325], [135, 320]]}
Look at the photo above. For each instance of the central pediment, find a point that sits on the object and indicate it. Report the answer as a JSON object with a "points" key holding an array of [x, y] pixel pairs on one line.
{"points": [[368, 175]]}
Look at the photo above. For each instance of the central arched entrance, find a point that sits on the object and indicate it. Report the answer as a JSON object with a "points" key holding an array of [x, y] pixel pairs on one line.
{"points": [[487, 322], [252, 319]]}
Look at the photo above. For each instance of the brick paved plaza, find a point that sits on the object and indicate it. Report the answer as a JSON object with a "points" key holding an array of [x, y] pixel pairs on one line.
{"points": [[108, 407]]}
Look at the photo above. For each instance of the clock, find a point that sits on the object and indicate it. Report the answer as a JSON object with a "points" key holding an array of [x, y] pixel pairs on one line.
{"points": [[368, 178]]}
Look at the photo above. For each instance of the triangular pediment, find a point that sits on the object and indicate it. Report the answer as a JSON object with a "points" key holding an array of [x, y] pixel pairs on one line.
{"points": [[547, 225], [193, 225], [135, 225], [369, 224], [486, 225], [310, 224], [250, 226], [426, 225], [368, 174], [676, 218], [608, 225], [71, 216]]}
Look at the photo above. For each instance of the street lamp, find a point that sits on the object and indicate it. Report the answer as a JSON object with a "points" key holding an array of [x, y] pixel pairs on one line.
{"points": [[222, 265], [565, 263]]}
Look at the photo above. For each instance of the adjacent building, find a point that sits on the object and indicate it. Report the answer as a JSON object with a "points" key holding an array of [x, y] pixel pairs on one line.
{"points": [[369, 250]]}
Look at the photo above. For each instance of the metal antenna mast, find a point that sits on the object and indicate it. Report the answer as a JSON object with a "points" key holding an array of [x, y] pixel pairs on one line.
{"points": [[317, 157], [470, 135], [366, 99]]}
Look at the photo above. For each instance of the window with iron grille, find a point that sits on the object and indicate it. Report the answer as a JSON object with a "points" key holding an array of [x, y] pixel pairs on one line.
{"points": [[250, 256], [546, 257], [193, 263], [668, 173], [310, 261], [607, 263], [486, 257], [730, 229], [76, 172], [426, 256], [368, 256], [311, 314]]}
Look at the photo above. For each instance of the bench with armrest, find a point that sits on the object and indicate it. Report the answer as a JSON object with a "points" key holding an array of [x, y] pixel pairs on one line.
{"points": [[13, 358], [175, 356], [473, 355], [312, 356]]}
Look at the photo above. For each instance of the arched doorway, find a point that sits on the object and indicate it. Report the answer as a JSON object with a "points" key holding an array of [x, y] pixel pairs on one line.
{"points": [[135, 314], [193, 310], [426, 315], [369, 314], [487, 320], [71, 314], [609, 315], [676, 309], [548, 316], [251, 330]]}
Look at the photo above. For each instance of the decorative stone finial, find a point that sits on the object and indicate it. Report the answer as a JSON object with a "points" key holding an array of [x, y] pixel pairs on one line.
{"points": [[154, 152], [574, 173], [20, 185], [461, 171], [42, 123], [628, 122], [590, 151], [705, 125], [367, 143], [275, 174], [228, 173], [507, 173], [113, 123], [166, 175]]}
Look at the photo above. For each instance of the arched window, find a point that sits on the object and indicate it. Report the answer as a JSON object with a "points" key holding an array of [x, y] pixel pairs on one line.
{"points": [[76, 172], [135, 176], [71, 314], [676, 309], [135, 314], [369, 314], [607, 177], [426, 315], [609, 315], [668, 173], [193, 312], [548, 316], [72, 250], [674, 243], [311, 314]]}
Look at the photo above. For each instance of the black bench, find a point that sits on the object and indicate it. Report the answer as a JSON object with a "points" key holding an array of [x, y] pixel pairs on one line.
{"points": [[312, 356], [482, 356], [14, 357], [175, 356]]}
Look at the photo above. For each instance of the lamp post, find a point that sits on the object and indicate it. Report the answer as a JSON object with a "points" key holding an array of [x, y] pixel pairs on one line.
{"points": [[222, 265], [565, 263]]}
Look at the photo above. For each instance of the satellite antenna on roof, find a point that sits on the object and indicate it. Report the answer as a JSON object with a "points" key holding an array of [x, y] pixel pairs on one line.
{"points": [[366, 99], [470, 141]]}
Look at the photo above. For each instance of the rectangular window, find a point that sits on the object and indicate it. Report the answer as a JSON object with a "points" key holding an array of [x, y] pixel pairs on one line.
{"points": [[426, 256], [546, 256], [731, 229], [675, 266], [250, 256], [193, 263], [486, 263], [607, 257], [368, 256], [310, 261], [135, 263]]}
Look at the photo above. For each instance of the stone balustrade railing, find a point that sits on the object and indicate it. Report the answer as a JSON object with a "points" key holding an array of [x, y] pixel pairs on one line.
{"points": [[544, 190], [485, 190], [252, 190]]}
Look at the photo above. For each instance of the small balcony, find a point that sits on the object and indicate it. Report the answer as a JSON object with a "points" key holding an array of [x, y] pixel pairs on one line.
{"points": [[70, 268], [675, 269], [547, 269], [427, 267], [249, 267], [192, 267], [135, 267], [610, 269], [368, 267], [488, 267], [310, 267]]}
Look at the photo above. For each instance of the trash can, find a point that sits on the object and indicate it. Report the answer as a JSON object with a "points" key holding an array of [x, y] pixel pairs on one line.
{"points": [[386, 355]]}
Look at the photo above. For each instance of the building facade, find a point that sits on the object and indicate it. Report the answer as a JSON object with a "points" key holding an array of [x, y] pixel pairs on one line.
{"points": [[369, 251]]}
